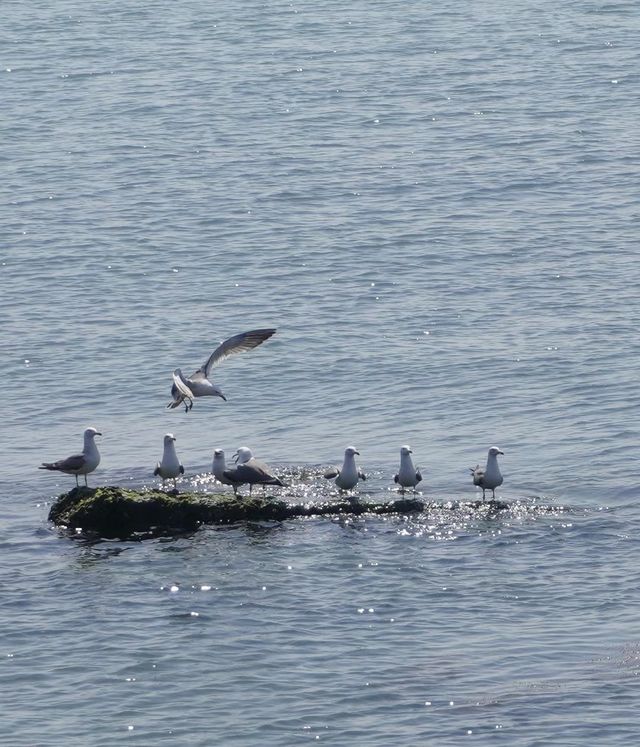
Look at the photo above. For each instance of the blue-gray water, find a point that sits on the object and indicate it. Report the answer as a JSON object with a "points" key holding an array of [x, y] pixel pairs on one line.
{"points": [[437, 206]]}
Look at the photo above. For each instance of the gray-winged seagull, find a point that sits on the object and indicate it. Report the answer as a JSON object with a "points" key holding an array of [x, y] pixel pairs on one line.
{"points": [[250, 470], [79, 464], [408, 476], [488, 478], [198, 385], [169, 467], [347, 477]]}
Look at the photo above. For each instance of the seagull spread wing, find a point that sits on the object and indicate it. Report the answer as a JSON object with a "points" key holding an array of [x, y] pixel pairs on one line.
{"points": [[236, 344], [181, 384]]}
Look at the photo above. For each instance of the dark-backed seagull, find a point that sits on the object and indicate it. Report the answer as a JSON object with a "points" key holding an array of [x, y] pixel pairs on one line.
{"points": [[79, 464], [250, 470]]}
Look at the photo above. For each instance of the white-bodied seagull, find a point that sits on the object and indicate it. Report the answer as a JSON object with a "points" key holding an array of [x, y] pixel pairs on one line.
{"points": [[79, 464], [488, 478], [169, 467], [186, 389], [218, 467], [408, 476], [347, 477]]}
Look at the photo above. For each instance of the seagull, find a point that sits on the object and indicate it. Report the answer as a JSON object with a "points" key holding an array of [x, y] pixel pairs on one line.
{"points": [[219, 466], [170, 466], [250, 470], [79, 464], [184, 389], [408, 476], [347, 477], [488, 478]]}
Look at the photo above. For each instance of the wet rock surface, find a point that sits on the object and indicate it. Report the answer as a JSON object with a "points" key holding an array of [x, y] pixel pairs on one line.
{"points": [[114, 512]]}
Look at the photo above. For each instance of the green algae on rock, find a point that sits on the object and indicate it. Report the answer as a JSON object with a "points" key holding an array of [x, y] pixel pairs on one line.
{"points": [[114, 512]]}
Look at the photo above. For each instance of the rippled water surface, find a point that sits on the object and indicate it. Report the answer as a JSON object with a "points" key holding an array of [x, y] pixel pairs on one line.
{"points": [[436, 204]]}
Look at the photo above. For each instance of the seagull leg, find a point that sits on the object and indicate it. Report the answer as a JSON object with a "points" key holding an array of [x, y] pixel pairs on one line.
{"points": [[86, 484], [77, 483]]}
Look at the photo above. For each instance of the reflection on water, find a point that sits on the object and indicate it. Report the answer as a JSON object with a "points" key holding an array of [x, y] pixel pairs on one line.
{"points": [[445, 239]]}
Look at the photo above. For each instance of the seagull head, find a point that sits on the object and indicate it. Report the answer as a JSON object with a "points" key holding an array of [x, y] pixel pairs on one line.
{"points": [[218, 453], [91, 432], [351, 450], [243, 455], [494, 451], [169, 438], [405, 450]]}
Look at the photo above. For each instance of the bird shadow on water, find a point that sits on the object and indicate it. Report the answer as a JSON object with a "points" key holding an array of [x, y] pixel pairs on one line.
{"points": [[93, 552]]}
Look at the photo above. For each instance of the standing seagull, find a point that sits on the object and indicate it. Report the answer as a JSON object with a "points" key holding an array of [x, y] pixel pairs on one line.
{"points": [[219, 466], [408, 476], [488, 478], [250, 470], [79, 464], [170, 466], [198, 384], [347, 477]]}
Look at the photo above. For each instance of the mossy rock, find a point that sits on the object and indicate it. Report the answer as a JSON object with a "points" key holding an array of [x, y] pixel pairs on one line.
{"points": [[114, 512]]}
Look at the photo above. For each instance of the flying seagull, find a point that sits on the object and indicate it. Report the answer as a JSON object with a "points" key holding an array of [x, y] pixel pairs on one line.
{"points": [[185, 389], [347, 477], [170, 466], [79, 464], [250, 470], [488, 478], [408, 476]]}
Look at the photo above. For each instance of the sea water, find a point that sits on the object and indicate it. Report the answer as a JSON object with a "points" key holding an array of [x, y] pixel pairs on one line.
{"points": [[436, 205]]}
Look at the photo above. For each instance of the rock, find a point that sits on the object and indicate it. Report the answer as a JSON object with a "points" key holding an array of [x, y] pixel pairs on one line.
{"points": [[114, 512]]}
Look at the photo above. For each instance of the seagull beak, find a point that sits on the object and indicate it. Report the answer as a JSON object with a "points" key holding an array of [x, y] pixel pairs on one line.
{"points": [[98, 433], [357, 452], [174, 438], [500, 452]]}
